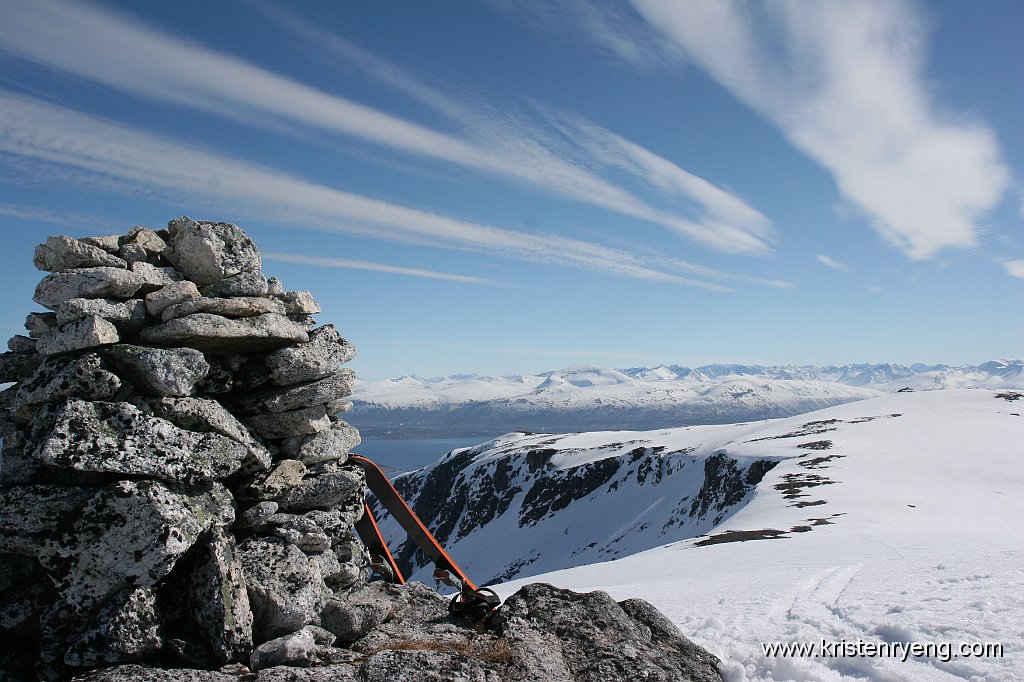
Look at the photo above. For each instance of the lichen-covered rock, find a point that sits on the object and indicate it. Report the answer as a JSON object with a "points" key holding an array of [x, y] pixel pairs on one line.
{"points": [[170, 294], [209, 416], [87, 332], [108, 242], [206, 252], [129, 534], [57, 379], [221, 335], [21, 344], [323, 490], [150, 241], [127, 316], [218, 599], [295, 423], [30, 515], [125, 628], [299, 303], [242, 284], [285, 474], [286, 591], [38, 324], [242, 306], [65, 253], [331, 444], [158, 371], [17, 366], [320, 358], [338, 385], [99, 282], [119, 438], [351, 617], [154, 277], [296, 649]]}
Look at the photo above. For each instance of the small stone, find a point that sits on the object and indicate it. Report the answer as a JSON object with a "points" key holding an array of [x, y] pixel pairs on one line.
{"points": [[256, 516], [206, 252], [325, 390], [21, 344], [219, 335], [321, 357], [242, 306], [65, 253], [109, 243], [286, 591], [88, 332], [243, 284], [323, 491], [274, 287], [331, 444], [351, 617], [295, 423], [297, 650], [155, 277], [149, 240], [158, 371], [299, 303], [38, 324], [128, 316], [286, 474], [170, 294], [56, 380], [300, 531], [119, 438], [99, 282], [132, 254]]}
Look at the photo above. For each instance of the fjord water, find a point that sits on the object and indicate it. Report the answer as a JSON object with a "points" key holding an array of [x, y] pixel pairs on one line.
{"points": [[396, 456]]}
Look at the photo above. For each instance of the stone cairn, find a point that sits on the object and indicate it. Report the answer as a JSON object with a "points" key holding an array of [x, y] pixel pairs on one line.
{"points": [[176, 502]]}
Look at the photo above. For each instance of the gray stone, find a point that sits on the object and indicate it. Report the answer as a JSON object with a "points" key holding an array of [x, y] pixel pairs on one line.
{"points": [[100, 282], [431, 662], [299, 303], [331, 444], [242, 306], [559, 634], [155, 277], [119, 438], [125, 628], [130, 534], [295, 423], [145, 673], [30, 515], [170, 294], [87, 332], [38, 324], [209, 416], [21, 344], [351, 617], [133, 254], [297, 649], [286, 474], [220, 335], [324, 490], [206, 252], [243, 284], [320, 358], [300, 531], [158, 371], [256, 516], [274, 287], [65, 253], [286, 591], [128, 316], [149, 240], [322, 391], [109, 243], [218, 602], [57, 379]]}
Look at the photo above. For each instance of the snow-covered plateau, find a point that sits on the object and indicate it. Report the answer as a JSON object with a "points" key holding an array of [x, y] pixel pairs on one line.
{"points": [[586, 398], [892, 522]]}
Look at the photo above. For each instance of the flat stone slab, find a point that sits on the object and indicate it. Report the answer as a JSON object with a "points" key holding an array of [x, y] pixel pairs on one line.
{"points": [[209, 416], [120, 438], [100, 282], [87, 332], [331, 444], [321, 357], [294, 423], [241, 306], [127, 316], [287, 398], [221, 335], [206, 252], [242, 284], [170, 294], [65, 253], [57, 379]]}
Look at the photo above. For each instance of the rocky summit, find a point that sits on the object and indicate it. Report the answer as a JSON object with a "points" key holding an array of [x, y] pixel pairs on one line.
{"points": [[176, 500]]}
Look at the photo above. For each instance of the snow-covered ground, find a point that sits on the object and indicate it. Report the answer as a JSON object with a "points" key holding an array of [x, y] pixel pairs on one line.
{"points": [[912, 535]]}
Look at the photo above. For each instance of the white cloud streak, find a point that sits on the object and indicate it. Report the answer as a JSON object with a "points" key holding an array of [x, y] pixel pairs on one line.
{"points": [[95, 44], [844, 83], [326, 262], [114, 157], [831, 262], [1014, 268]]}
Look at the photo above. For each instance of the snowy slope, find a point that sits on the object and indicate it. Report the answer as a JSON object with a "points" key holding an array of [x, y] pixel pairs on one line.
{"points": [[594, 398], [877, 528]]}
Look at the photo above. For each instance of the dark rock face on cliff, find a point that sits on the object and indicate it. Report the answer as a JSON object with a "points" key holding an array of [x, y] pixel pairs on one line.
{"points": [[176, 500]]}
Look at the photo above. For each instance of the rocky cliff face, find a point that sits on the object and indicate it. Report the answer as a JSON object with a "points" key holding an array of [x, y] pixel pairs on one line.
{"points": [[176, 501]]}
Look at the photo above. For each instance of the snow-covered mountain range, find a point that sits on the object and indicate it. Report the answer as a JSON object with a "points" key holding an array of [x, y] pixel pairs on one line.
{"points": [[888, 521], [591, 398]]}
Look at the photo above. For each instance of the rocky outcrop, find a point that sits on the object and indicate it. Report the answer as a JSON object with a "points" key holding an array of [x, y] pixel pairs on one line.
{"points": [[176, 501]]}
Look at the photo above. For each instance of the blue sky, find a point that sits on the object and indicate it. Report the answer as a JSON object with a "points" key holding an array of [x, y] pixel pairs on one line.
{"points": [[513, 186]]}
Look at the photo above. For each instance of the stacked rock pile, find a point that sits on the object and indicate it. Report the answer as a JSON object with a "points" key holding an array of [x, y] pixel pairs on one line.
{"points": [[173, 483]]}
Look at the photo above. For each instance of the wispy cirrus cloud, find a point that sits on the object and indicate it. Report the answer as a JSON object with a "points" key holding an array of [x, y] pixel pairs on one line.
{"points": [[345, 263], [831, 262], [92, 43], [844, 82], [105, 155]]}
